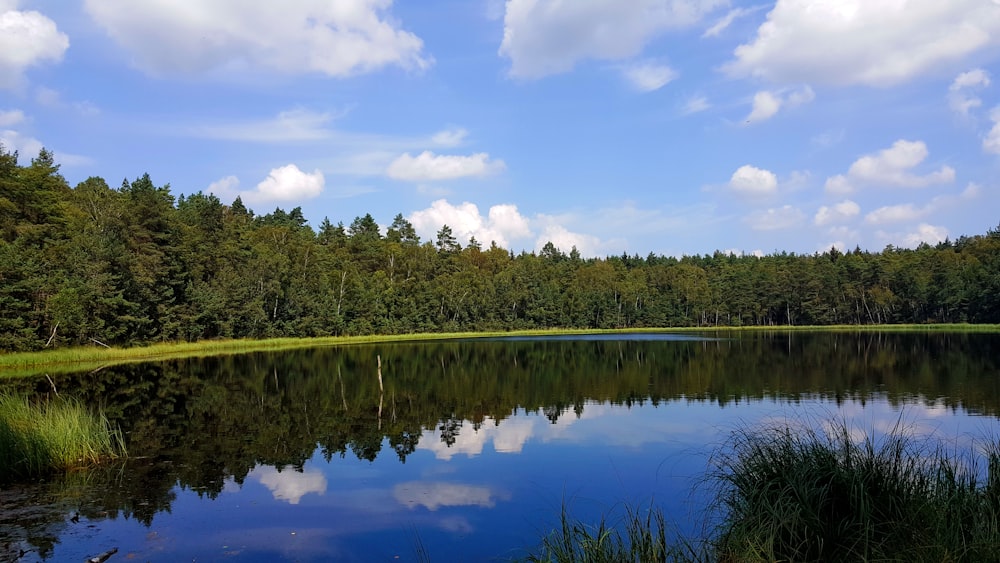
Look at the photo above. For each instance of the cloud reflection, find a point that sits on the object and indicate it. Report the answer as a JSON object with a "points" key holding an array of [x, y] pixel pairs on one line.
{"points": [[434, 495], [288, 484]]}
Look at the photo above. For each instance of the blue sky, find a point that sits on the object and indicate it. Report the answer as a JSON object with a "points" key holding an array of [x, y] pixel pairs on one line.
{"points": [[667, 126]]}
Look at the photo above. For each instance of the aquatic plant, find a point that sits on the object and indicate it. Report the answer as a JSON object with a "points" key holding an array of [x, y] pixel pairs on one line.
{"points": [[805, 495], [58, 434], [785, 494], [639, 535]]}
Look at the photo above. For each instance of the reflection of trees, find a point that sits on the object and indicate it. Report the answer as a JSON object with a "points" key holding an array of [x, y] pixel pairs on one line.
{"points": [[201, 422]]}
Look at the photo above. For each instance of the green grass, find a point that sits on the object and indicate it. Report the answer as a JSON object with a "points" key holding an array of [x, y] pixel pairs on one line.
{"points": [[802, 495], [58, 435], [65, 360], [640, 536]]}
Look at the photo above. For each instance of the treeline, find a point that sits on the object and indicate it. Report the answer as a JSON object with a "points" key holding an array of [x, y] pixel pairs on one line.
{"points": [[135, 265]]}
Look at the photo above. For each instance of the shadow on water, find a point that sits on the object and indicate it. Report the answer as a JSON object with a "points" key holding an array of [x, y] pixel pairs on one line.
{"points": [[199, 424]]}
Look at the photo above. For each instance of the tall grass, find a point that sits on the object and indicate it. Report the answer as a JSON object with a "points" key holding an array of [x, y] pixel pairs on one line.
{"points": [[58, 435], [640, 535], [787, 494], [803, 495]]}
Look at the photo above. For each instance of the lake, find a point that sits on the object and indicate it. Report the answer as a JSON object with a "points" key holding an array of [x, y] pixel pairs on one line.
{"points": [[464, 450]]}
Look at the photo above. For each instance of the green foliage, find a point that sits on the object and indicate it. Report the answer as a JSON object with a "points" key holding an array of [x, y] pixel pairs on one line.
{"points": [[136, 265], [802, 495], [53, 436]]}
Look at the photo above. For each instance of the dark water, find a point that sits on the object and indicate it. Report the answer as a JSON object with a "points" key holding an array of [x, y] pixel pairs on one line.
{"points": [[471, 448]]}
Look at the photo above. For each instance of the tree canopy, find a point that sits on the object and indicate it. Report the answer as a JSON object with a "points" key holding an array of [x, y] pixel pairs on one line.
{"points": [[135, 265]]}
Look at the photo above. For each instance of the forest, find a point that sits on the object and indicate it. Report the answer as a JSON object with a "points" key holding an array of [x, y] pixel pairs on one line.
{"points": [[92, 264]]}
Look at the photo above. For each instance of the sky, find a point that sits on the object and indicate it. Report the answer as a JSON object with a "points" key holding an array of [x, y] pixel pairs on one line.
{"points": [[678, 127]]}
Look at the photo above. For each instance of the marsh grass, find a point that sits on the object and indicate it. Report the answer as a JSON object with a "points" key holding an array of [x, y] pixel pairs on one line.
{"points": [[786, 494], [57, 435], [804, 495], [639, 535]]}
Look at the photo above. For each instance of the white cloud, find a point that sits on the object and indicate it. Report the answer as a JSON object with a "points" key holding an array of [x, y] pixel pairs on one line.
{"points": [[435, 495], [877, 43], [27, 39], [696, 104], [288, 484], [728, 20], [333, 38], [895, 214], [766, 103], [502, 224], [26, 147], [648, 76], [450, 137], [774, 219], [960, 99], [286, 183], [12, 117], [991, 143], [287, 126], [751, 180], [428, 166], [930, 234], [564, 239], [840, 212], [890, 167], [544, 37]]}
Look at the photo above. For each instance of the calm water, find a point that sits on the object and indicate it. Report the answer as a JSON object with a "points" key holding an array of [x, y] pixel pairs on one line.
{"points": [[470, 448]]}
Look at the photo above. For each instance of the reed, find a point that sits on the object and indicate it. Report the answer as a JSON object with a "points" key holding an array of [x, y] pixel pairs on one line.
{"points": [[57, 435], [803, 495]]}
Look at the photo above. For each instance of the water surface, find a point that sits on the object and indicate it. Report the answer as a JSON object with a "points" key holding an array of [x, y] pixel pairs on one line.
{"points": [[468, 449]]}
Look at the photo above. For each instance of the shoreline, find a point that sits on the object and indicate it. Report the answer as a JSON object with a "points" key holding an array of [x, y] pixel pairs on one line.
{"points": [[25, 364]]}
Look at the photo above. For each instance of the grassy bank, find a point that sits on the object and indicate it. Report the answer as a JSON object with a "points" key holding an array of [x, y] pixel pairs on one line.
{"points": [[93, 357], [785, 495], [57, 435]]}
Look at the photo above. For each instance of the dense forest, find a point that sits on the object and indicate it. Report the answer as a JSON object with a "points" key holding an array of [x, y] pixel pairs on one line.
{"points": [[136, 265]]}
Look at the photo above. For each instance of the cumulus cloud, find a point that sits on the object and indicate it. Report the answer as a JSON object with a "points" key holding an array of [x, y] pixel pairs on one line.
{"points": [[750, 180], [286, 183], [961, 97], [837, 213], [925, 233], [849, 42], [428, 166], [502, 224], [895, 214], [648, 76], [890, 167], [775, 219], [543, 37], [189, 36], [767, 103], [565, 240], [27, 39], [991, 143]]}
